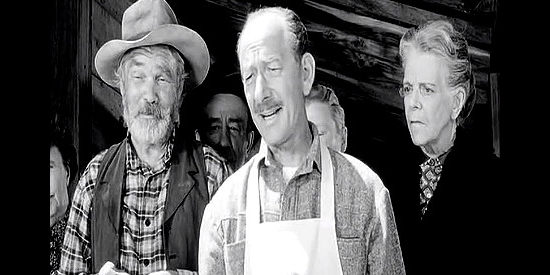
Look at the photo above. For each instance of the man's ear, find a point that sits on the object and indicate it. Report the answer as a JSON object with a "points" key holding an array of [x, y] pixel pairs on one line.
{"points": [[68, 175], [344, 139], [250, 142], [308, 72], [458, 101]]}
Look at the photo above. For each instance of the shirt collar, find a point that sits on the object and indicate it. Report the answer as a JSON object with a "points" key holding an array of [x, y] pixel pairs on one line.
{"points": [[313, 158], [133, 162]]}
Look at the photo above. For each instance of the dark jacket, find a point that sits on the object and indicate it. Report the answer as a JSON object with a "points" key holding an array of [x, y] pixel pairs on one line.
{"points": [[187, 197], [458, 233]]}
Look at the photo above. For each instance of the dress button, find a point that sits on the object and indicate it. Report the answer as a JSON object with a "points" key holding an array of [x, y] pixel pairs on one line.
{"points": [[146, 262], [147, 222]]}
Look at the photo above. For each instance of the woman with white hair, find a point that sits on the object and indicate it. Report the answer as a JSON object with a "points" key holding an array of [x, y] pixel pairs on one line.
{"points": [[453, 214]]}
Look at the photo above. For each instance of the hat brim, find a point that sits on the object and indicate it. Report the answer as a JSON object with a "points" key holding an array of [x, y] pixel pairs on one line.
{"points": [[189, 43]]}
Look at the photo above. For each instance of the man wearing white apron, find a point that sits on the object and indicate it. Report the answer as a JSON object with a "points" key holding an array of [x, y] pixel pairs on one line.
{"points": [[296, 207]]}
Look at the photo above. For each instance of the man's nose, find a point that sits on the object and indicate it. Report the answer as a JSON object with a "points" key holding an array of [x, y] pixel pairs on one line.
{"points": [[259, 88], [225, 140], [149, 91]]}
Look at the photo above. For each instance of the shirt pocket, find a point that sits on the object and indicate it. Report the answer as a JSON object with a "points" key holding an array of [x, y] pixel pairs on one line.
{"points": [[233, 255], [352, 255]]}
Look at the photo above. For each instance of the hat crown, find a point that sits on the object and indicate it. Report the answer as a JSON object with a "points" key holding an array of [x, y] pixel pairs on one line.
{"points": [[144, 16]]}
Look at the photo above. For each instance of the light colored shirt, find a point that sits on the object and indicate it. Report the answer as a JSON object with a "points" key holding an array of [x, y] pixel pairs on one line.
{"points": [[363, 246]]}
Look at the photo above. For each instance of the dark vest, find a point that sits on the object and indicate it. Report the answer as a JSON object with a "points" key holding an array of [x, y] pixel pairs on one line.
{"points": [[186, 198]]}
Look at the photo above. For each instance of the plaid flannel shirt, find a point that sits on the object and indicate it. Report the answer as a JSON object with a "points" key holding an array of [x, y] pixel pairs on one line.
{"points": [[144, 196]]}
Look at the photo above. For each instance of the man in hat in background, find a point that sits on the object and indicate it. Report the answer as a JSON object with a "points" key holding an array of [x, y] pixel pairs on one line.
{"points": [[138, 206], [225, 122]]}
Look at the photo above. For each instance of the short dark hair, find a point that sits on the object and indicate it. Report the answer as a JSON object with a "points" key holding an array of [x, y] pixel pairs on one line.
{"points": [[61, 138], [228, 84]]}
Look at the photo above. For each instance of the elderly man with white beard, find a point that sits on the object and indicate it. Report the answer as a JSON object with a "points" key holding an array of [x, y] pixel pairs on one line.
{"points": [[139, 204]]}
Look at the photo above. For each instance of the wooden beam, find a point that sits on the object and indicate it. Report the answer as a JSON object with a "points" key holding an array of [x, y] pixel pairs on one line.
{"points": [[109, 98], [495, 112], [83, 89], [387, 33], [104, 28], [470, 10], [115, 8], [408, 16], [368, 91], [64, 39]]}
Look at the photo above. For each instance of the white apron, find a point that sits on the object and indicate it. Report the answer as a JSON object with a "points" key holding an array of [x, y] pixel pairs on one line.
{"points": [[292, 247]]}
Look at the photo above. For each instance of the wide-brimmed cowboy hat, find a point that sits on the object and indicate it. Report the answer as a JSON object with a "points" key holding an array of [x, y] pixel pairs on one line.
{"points": [[152, 22]]}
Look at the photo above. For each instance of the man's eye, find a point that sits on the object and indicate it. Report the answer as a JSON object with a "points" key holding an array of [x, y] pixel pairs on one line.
{"points": [[163, 79], [248, 78], [213, 128], [235, 129], [405, 90]]}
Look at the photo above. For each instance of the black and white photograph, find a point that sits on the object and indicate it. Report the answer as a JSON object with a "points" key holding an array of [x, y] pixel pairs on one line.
{"points": [[277, 137]]}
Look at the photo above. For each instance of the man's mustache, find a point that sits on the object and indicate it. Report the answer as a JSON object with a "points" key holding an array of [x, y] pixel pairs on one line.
{"points": [[267, 105], [151, 110]]}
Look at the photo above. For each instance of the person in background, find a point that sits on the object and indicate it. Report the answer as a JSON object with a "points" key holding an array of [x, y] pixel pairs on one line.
{"points": [[63, 171], [225, 122], [323, 109], [297, 207], [138, 206], [454, 215]]}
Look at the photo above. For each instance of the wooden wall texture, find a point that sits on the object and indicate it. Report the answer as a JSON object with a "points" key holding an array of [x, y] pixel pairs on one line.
{"points": [[355, 44]]}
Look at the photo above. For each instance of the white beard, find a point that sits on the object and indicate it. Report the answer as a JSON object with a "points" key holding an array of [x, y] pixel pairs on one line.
{"points": [[152, 130]]}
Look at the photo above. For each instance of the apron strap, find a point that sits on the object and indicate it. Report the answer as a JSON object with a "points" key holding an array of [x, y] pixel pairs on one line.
{"points": [[253, 184]]}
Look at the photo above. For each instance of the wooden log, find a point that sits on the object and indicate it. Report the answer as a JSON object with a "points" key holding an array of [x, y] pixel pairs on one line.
{"points": [[115, 8], [470, 10], [105, 27], [109, 98], [84, 86], [408, 16], [388, 34]]}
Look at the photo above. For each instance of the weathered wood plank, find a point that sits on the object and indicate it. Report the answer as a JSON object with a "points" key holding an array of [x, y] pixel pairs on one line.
{"points": [[115, 8], [104, 28], [368, 91], [408, 16], [108, 98], [386, 33], [495, 112], [470, 10], [84, 86]]}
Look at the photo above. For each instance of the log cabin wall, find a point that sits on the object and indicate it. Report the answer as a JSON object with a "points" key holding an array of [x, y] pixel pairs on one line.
{"points": [[355, 45]]}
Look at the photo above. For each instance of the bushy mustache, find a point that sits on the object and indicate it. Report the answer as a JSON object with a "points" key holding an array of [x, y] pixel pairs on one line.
{"points": [[154, 110], [266, 105]]}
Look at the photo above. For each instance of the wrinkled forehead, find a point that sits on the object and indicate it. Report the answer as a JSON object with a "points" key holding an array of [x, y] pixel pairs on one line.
{"points": [[159, 59], [262, 34], [423, 66], [226, 103]]}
